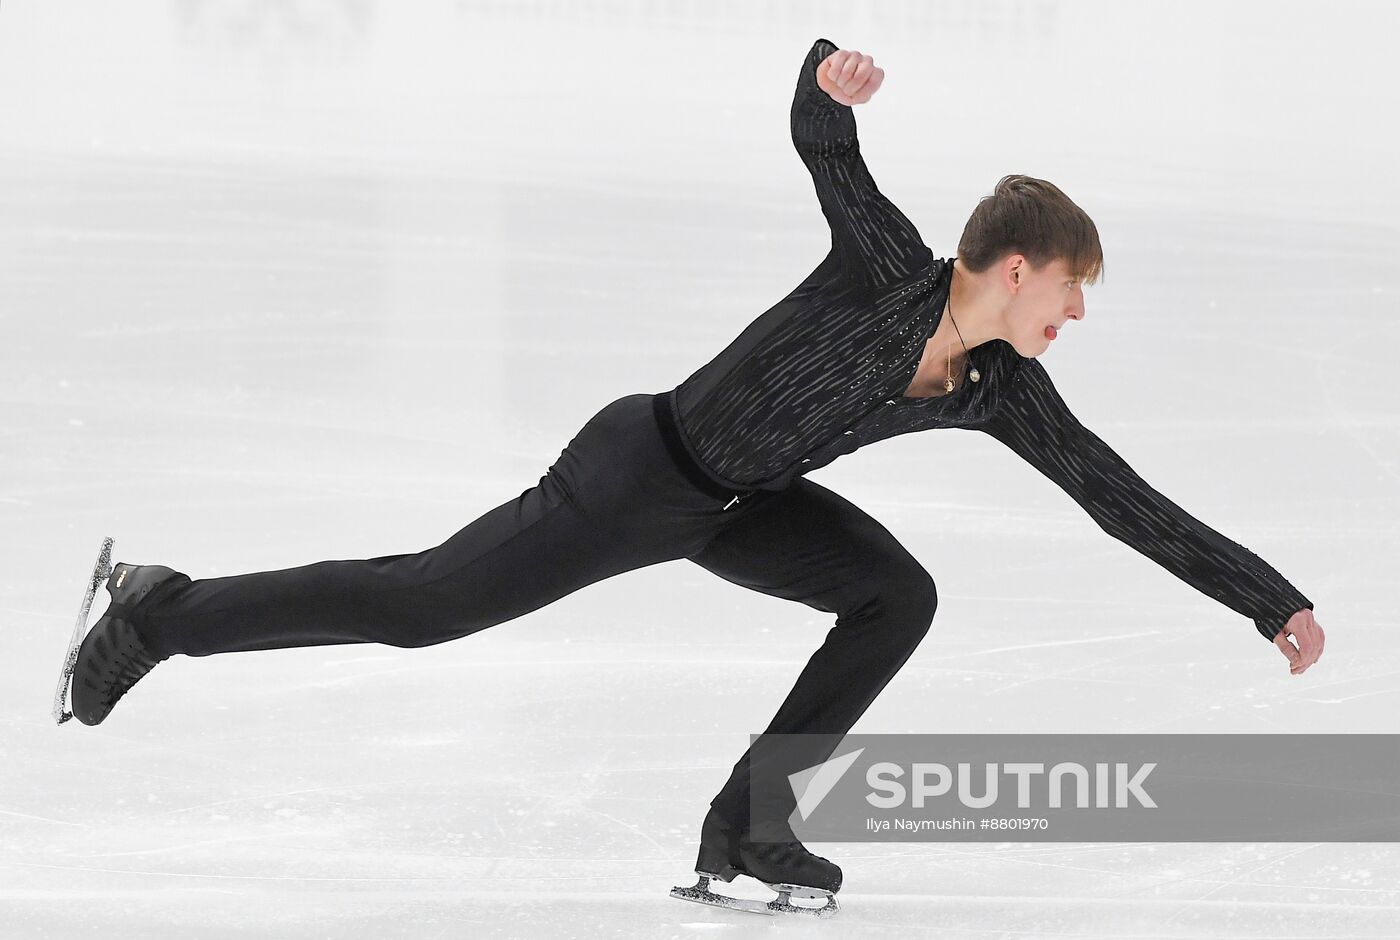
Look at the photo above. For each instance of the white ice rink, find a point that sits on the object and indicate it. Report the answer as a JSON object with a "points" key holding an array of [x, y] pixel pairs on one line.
{"points": [[283, 282]]}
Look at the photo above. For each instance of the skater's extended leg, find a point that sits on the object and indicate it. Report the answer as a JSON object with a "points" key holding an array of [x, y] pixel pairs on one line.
{"points": [[811, 545], [615, 500], [552, 539], [514, 559]]}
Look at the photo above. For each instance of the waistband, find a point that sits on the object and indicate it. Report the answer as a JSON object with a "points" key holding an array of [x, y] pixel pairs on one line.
{"points": [[675, 446]]}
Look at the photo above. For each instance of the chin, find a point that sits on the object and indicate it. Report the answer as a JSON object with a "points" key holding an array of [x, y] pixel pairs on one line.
{"points": [[1030, 352]]}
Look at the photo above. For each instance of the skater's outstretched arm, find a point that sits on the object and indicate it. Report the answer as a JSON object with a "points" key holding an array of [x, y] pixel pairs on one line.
{"points": [[1033, 420], [873, 241]]}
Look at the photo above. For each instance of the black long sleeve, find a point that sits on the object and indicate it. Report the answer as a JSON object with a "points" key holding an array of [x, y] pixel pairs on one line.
{"points": [[874, 242], [823, 372], [1033, 420]]}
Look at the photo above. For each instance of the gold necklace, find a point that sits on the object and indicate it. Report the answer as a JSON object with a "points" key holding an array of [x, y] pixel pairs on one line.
{"points": [[974, 375]]}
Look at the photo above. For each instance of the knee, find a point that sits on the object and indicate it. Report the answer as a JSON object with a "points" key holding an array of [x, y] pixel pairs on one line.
{"points": [[411, 641], [415, 619], [901, 604], [921, 599]]}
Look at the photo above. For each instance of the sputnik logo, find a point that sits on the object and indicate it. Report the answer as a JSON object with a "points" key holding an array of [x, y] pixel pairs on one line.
{"points": [[811, 786]]}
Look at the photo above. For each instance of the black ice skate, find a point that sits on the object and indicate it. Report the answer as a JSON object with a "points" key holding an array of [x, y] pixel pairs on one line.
{"points": [[112, 658], [786, 867]]}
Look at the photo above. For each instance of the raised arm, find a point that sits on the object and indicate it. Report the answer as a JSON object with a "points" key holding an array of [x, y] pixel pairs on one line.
{"points": [[1034, 422], [874, 243]]}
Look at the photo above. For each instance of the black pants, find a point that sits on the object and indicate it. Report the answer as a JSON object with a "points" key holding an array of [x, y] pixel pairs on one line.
{"points": [[617, 499]]}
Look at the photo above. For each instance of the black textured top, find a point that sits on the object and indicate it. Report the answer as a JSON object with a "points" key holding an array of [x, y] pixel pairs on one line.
{"points": [[823, 371]]}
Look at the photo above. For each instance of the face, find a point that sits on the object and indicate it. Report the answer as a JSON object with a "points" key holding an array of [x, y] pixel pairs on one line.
{"points": [[1047, 297]]}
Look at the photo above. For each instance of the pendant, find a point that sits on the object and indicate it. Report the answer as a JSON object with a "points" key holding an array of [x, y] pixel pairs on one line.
{"points": [[947, 385]]}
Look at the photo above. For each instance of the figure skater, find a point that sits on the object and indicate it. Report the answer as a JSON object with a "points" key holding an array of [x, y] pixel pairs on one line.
{"points": [[881, 339]]}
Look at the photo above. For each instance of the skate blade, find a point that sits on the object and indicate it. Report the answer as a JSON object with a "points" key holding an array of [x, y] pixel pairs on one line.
{"points": [[700, 893], [100, 573], [783, 903]]}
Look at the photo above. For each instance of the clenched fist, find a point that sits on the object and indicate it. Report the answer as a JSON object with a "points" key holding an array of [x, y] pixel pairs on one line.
{"points": [[849, 77]]}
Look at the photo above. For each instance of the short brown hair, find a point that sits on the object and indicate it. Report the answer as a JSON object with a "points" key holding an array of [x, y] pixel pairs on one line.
{"points": [[1032, 217]]}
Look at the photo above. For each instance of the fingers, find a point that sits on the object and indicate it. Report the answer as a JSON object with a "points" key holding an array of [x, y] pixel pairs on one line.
{"points": [[853, 61], [1310, 640], [1310, 637], [855, 76], [866, 81]]}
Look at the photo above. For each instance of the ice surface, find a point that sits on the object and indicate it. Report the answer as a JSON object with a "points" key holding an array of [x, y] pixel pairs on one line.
{"points": [[288, 282]]}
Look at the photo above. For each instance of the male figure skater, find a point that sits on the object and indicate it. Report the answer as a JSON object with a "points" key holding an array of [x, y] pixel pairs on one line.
{"points": [[881, 339]]}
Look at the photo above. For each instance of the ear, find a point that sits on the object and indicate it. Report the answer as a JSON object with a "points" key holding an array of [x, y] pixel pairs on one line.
{"points": [[1014, 263]]}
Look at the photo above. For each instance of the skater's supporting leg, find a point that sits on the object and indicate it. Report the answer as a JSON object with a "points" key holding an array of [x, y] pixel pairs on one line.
{"points": [[811, 545]]}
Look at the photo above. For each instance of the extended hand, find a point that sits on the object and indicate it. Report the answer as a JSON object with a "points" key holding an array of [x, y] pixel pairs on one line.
{"points": [[849, 77], [1310, 641]]}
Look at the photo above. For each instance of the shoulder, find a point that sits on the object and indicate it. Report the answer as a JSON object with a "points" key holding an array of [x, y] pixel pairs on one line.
{"points": [[1022, 372], [1013, 380], [1006, 364]]}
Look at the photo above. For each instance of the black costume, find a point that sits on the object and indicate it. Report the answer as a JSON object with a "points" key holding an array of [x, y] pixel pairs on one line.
{"points": [[712, 471]]}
